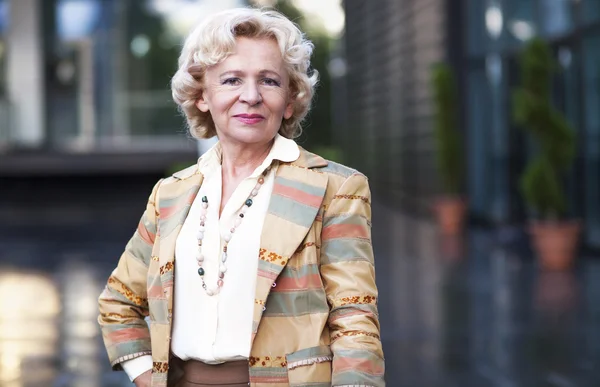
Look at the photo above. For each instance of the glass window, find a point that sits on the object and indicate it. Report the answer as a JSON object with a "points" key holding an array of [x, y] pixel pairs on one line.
{"points": [[498, 137], [4, 106], [590, 11], [109, 66], [520, 21], [477, 37], [4, 19], [479, 125], [567, 100], [591, 70], [555, 17]]}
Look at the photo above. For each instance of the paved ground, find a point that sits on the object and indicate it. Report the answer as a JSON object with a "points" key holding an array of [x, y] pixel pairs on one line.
{"points": [[471, 313], [453, 312]]}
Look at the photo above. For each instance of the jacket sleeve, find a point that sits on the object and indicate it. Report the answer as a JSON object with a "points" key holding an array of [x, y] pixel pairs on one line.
{"points": [[347, 269], [123, 304]]}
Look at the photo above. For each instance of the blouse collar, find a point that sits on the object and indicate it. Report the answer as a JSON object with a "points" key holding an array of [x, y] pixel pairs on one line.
{"points": [[283, 149]]}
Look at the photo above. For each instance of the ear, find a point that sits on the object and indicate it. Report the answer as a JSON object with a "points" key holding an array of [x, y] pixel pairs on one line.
{"points": [[201, 103], [289, 110]]}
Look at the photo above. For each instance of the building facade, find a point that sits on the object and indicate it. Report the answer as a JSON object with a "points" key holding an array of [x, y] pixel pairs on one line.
{"points": [[496, 32], [85, 83], [389, 48]]}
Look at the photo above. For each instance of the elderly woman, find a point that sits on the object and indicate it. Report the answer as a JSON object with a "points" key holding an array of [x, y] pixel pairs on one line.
{"points": [[253, 266]]}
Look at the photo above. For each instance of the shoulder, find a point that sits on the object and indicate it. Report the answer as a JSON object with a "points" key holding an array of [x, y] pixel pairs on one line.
{"points": [[338, 174], [339, 171], [319, 164], [182, 174], [177, 184]]}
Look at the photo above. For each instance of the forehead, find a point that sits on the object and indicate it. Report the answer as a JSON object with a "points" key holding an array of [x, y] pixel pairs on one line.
{"points": [[250, 54]]}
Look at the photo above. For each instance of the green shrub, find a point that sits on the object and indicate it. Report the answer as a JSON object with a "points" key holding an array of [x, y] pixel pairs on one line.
{"points": [[447, 137], [542, 183]]}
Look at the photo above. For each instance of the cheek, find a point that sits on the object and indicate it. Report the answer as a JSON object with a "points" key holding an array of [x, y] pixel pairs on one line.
{"points": [[277, 101], [224, 99]]}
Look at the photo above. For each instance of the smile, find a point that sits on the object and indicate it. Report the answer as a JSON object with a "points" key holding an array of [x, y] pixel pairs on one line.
{"points": [[249, 119]]}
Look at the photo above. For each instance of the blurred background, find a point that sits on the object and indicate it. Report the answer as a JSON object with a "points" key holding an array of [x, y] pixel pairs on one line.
{"points": [[476, 121]]}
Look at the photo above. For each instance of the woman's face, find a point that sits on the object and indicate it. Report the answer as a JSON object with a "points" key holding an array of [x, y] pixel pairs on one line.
{"points": [[248, 94]]}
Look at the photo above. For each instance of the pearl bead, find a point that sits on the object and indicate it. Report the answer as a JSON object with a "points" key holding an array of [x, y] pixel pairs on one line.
{"points": [[232, 230], [261, 180], [200, 258], [224, 257], [201, 228], [254, 192], [223, 269], [200, 235], [220, 283], [205, 205], [243, 210], [237, 222], [227, 237], [210, 292]]}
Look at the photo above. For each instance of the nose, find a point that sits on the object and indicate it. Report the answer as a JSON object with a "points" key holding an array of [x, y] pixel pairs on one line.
{"points": [[251, 94]]}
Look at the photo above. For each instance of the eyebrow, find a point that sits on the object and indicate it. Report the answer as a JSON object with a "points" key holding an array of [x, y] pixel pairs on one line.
{"points": [[240, 73]]}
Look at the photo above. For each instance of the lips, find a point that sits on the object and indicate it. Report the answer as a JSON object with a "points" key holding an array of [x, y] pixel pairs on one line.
{"points": [[249, 119]]}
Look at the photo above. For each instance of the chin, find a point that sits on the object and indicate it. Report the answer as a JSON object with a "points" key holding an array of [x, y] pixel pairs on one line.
{"points": [[251, 136]]}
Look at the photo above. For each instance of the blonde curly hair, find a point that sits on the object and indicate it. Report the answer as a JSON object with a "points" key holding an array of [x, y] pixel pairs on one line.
{"points": [[214, 40]]}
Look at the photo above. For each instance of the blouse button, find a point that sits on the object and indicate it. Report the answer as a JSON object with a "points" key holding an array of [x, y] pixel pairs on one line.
{"points": [[274, 284], [264, 308]]}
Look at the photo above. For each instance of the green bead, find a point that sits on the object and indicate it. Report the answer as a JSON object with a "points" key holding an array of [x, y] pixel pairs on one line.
{"points": [[200, 272], [204, 199], [249, 202]]}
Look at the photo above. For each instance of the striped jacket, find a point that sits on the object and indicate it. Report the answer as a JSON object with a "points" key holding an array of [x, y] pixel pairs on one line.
{"points": [[315, 319]]}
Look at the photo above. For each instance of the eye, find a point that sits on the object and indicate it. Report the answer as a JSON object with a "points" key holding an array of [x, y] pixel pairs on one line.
{"points": [[231, 81], [271, 82]]}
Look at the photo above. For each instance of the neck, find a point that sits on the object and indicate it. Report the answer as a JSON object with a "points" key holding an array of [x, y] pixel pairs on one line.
{"points": [[239, 161]]}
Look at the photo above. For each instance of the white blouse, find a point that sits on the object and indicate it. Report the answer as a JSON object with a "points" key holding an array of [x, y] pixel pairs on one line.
{"points": [[216, 329]]}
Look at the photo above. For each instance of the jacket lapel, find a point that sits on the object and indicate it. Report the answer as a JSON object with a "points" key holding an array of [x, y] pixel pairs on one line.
{"points": [[295, 202], [175, 200]]}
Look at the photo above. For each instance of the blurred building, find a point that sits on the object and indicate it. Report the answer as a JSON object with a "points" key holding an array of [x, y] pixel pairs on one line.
{"points": [[84, 85], [87, 126], [388, 49], [86, 114]]}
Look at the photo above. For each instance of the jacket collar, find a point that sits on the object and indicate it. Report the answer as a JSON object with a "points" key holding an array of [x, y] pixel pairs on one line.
{"points": [[305, 159]]}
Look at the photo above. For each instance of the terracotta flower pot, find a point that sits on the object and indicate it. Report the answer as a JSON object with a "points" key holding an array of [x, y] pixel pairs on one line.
{"points": [[555, 243], [450, 213]]}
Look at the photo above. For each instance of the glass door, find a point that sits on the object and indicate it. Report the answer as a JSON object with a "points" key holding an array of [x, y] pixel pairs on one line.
{"points": [[567, 99], [591, 93]]}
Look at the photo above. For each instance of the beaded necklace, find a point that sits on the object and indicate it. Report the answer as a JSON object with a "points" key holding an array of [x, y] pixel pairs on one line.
{"points": [[200, 236]]}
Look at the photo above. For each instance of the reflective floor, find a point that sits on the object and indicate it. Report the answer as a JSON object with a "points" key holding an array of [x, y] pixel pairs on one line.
{"points": [[468, 312], [454, 312]]}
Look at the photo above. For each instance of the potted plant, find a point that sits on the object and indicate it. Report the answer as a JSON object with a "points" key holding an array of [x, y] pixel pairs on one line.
{"points": [[554, 237], [450, 206]]}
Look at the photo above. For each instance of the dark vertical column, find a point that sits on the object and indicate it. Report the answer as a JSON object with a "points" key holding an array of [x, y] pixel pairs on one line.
{"points": [[580, 162], [356, 57], [456, 30], [48, 31]]}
